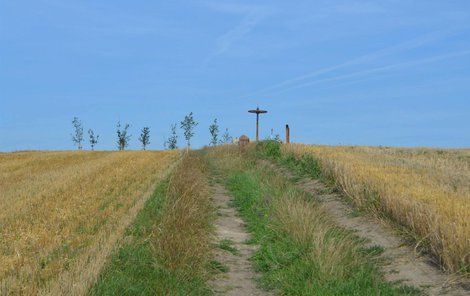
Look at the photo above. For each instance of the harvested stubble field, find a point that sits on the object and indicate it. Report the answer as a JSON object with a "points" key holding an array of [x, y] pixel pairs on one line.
{"points": [[62, 212], [425, 190]]}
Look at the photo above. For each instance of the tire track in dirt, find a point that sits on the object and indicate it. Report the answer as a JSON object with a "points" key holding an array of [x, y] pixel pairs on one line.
{"points": [[401, 262], [240, 277]]}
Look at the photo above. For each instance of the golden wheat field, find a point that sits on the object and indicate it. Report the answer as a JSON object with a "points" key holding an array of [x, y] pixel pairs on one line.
{"points": [[62, 212], [425, 190]]}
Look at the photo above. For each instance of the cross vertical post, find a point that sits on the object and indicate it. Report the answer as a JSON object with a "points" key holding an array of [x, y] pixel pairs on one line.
{"points": [[257, 111]]}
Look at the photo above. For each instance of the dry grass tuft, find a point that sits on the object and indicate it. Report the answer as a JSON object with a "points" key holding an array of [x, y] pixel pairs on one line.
{"points": [[182, 240], [308, 223], [60, 210], [426, 190], [302, 219]]}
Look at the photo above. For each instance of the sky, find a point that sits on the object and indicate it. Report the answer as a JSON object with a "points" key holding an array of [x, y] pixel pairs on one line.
{"points": [[392, 73]]}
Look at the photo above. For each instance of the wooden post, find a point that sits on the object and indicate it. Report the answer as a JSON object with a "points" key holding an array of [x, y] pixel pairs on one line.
{"points": [[257, 111], [287, 134]]}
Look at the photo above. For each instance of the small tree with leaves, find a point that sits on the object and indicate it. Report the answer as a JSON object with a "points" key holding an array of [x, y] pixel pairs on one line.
{"points": [[172, 142], [145, 137], [77, 138], [226, 138], [93, 139], [188, 125], [214, 130], [123, 137]]}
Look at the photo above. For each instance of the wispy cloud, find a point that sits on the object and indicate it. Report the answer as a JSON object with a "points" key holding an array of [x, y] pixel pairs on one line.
{"points": [[402, 47], [377, 70], [251, 17], [225, 41]]}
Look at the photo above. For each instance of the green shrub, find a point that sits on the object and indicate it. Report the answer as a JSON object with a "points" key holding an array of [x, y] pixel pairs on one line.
{"points": [[269, 148]]}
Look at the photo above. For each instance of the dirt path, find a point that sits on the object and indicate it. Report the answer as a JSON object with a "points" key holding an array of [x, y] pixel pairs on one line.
{"points": [[230, 231], [401, 262]]}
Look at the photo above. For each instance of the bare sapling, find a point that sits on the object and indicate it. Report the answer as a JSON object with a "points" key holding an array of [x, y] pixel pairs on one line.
{"points": [[214, 131], [145, 137], [93, 139], [123, 137], [172, 142], [77, 137], [188, 125]]}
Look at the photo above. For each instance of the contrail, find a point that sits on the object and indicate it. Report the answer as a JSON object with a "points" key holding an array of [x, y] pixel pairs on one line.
{"points": [[379, 69], [408, 45], [252, 16]]}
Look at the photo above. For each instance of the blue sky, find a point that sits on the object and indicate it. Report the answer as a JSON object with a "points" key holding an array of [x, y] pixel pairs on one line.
{"points": [[339, 72]]}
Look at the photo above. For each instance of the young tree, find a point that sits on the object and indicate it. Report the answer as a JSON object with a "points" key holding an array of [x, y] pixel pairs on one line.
{"points": [[188, 125], [93, 139], [123, 137], [226, 138], [214, 130], [78, 137], [145, 137], [172, 142]]}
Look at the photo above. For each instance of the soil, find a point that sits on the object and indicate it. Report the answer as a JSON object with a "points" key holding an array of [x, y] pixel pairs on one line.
{"points": [[240, 279]]}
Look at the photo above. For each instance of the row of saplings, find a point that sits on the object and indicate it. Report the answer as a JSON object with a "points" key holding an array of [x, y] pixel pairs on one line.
{"points": [[123, 137]]}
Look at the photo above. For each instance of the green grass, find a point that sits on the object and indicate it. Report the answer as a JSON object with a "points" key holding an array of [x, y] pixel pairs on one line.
{"points": [[305, 166], [133, 269], [217, 267], [293, 266], [227, 245]]}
